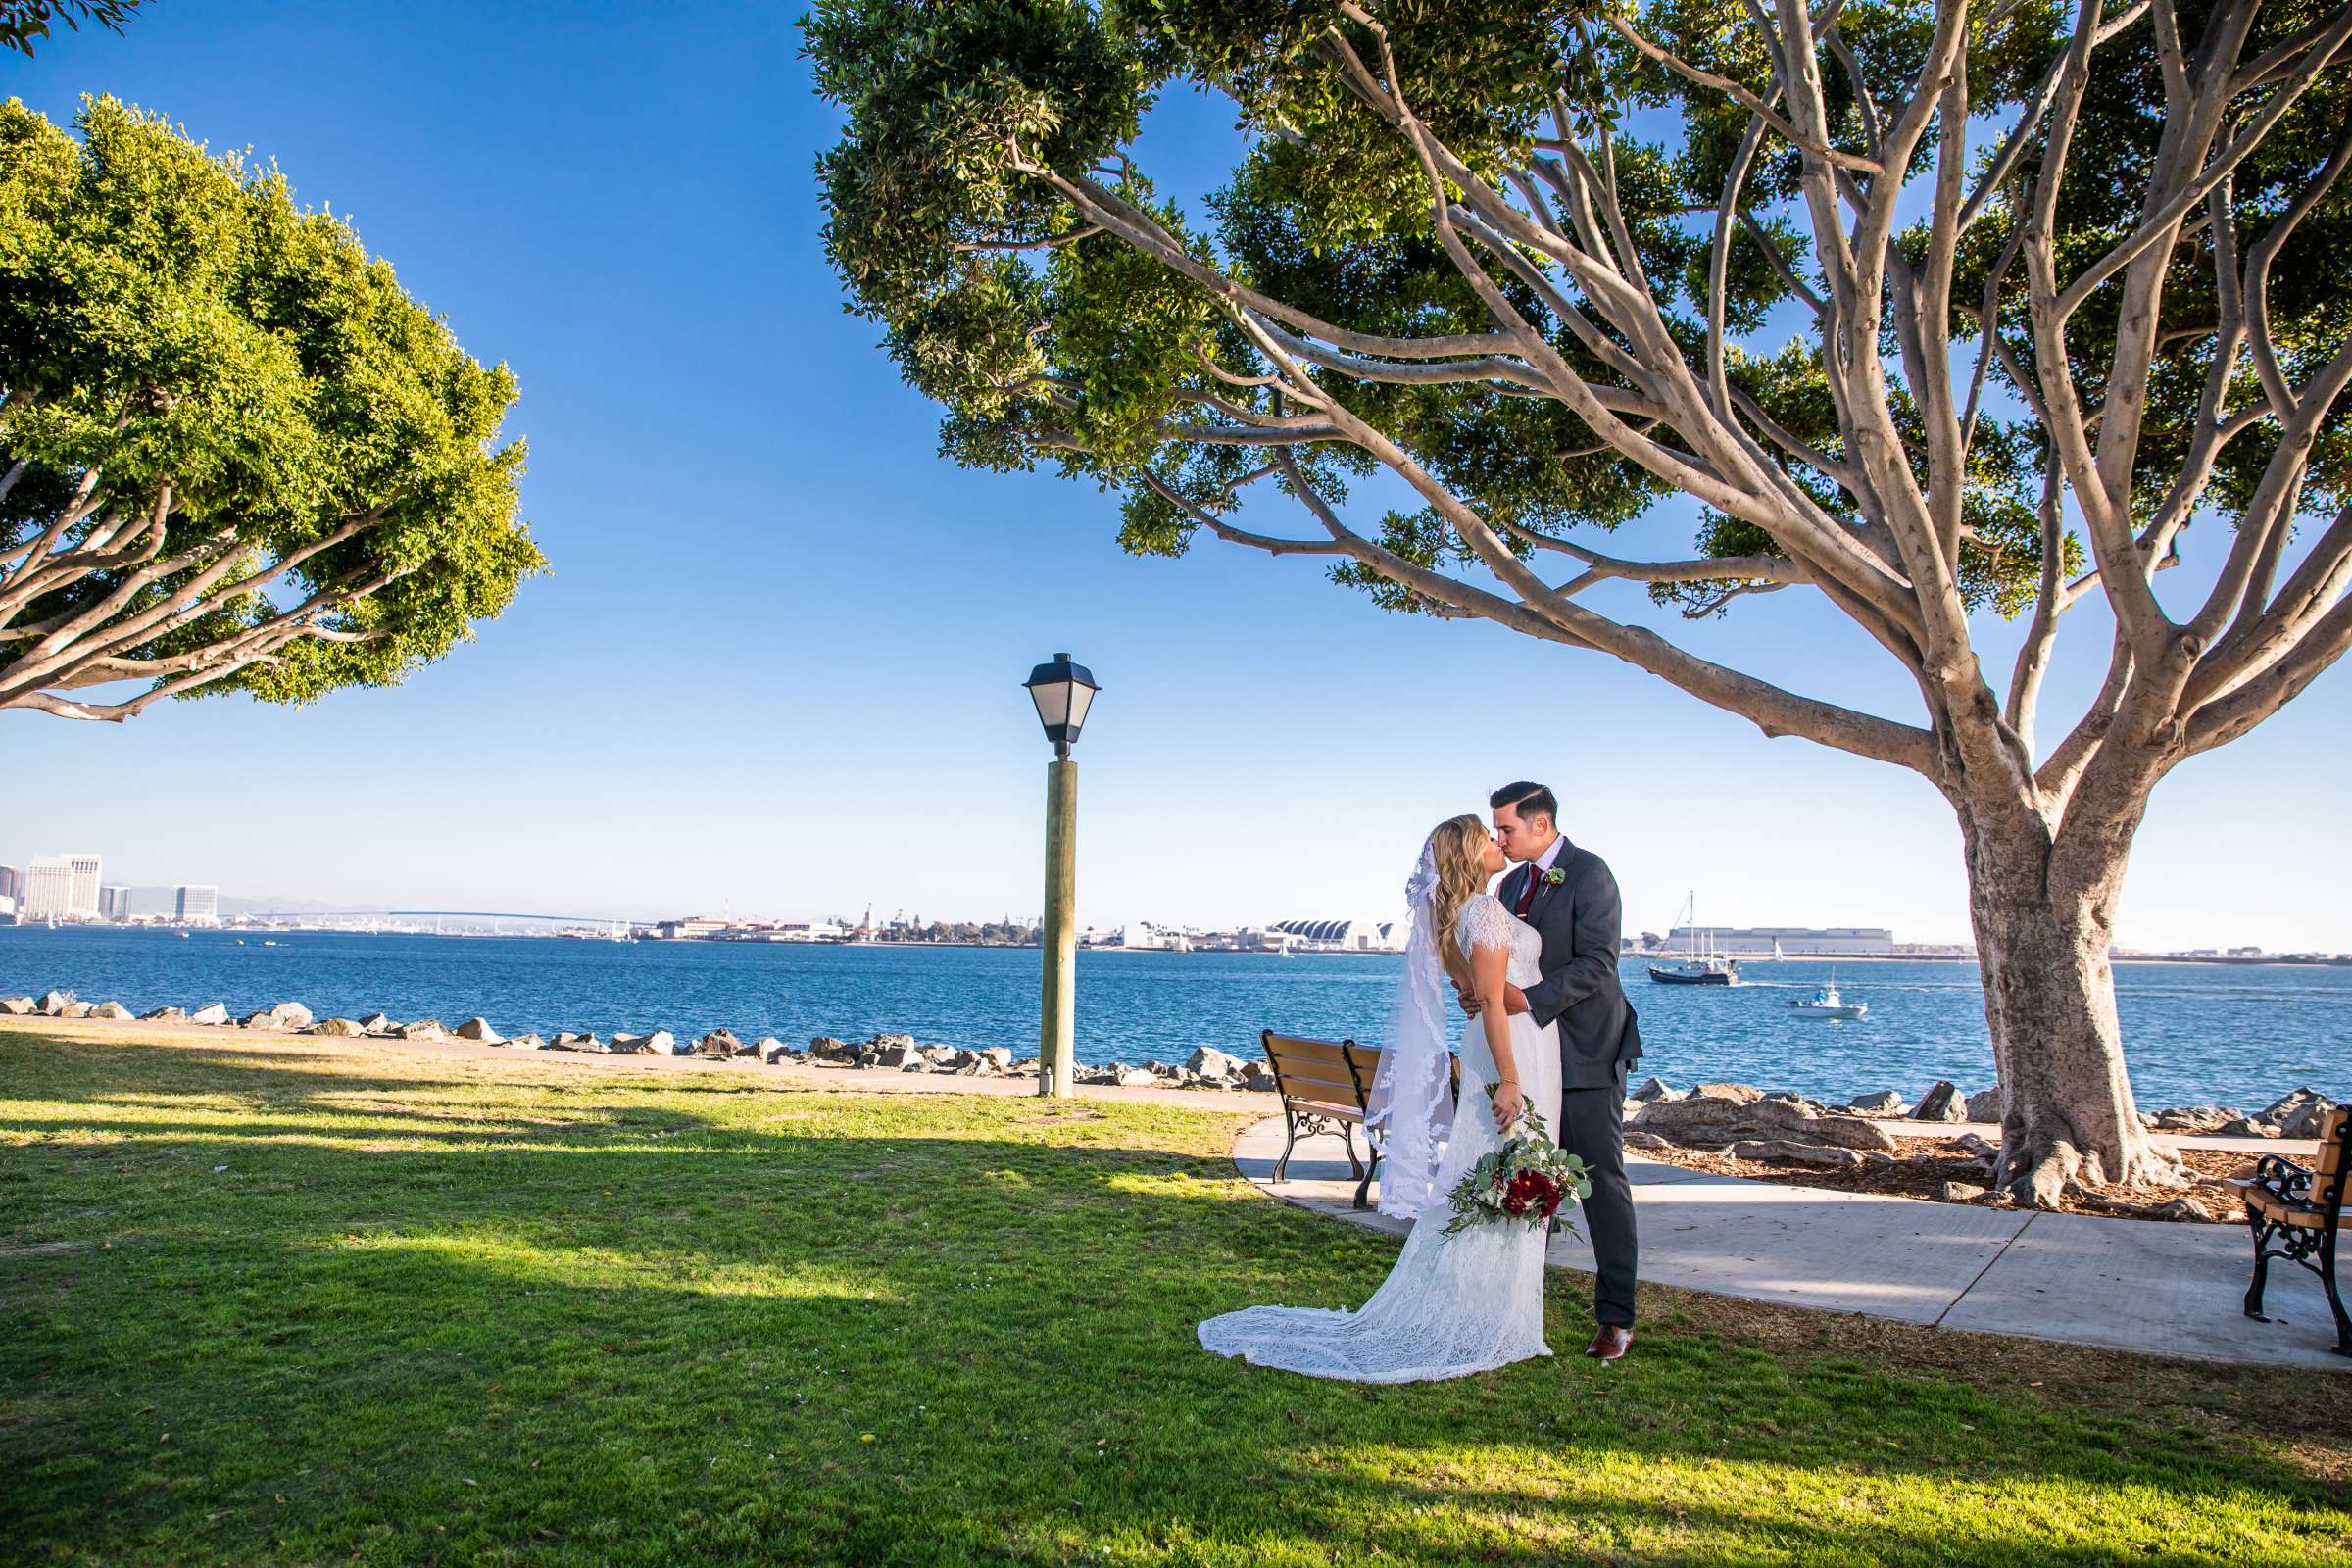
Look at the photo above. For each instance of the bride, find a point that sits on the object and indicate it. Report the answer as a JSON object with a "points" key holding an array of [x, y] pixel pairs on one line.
{"points": [[1473, 1301]]}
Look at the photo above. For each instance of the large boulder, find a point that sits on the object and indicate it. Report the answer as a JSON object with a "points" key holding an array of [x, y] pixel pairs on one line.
{"points": [[574, 1040], [1653, 1090], [114, 1011], [1210, 1063], [264, 1019], [620, 1045], [824, 1048], [2245, 1127], [345, 1028], [666, 1044], [1984, 1105], [18, 1007], [998, 1058], [773, 1050], [291, 1016], [1136, 1078], [421, 1029], [376, 1023], [151, 1015], [75, 1010], [722, 1044], [1879, 1103], [1944, 1102], [479, 1029], [2197, 1118], [54, 1004], [523, 1043], [210, 1013], [2300, 1114], [1742, 1094], [1712, 1120]]}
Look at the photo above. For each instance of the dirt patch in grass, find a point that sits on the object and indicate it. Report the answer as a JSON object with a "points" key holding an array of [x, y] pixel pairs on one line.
{"points": [[1927, 1165]]}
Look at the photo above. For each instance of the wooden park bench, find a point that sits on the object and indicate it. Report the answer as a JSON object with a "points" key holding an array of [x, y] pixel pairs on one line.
{"points": [[2296, 1214], [1326, 1087]]}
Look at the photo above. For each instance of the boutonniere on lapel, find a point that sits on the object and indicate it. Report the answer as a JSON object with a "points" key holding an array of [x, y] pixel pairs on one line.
{"points": [[1555, 877]]}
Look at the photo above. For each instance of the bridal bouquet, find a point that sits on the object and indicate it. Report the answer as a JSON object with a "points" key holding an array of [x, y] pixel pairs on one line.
{"points": [[1525, 1181]]}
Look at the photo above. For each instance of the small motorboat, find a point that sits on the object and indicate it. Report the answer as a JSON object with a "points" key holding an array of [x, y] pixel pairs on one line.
{"points": [[1825, 1003]]}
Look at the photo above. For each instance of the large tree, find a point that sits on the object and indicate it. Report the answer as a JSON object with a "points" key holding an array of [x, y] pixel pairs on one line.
{"points": [[1941, 309], [235, 453]]}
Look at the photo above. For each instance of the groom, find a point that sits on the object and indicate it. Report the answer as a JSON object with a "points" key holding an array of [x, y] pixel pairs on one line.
{"points": [[1569, 897]]}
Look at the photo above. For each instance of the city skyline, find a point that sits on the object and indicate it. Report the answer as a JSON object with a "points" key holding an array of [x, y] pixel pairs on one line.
{"points": [[809, 682], [205, 903]]}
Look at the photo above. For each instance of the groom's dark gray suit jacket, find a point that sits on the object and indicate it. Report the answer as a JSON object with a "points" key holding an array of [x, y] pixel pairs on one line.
{"points": [[1582, 926]]}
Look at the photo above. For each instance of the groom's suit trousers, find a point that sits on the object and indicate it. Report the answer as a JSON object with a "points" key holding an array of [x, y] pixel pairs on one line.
{"points": [[1593, 1128]]}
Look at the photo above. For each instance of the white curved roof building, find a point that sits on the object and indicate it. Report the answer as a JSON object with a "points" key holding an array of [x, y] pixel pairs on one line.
{"points": [[1343, 936]]}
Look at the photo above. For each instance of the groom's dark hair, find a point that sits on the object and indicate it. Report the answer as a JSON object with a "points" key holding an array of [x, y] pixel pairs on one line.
{"points": [[1528, 799]]}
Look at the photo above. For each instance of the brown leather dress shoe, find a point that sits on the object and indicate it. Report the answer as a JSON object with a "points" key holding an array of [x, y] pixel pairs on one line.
{"points": [[1610, 1344]]}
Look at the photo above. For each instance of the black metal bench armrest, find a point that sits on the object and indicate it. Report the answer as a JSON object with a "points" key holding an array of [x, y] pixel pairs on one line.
{"points": [[2283, 1178]]}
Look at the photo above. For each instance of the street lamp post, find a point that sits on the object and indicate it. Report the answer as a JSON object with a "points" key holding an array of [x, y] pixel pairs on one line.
{"points": [[1062, 692]]}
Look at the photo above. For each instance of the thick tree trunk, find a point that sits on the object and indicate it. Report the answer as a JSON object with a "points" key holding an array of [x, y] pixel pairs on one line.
{"points": [[2044, 923]]}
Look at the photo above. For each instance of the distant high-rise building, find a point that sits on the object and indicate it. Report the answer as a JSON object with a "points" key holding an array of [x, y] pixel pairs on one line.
{"points": [[113, 901], [12, 882], [197, 903], [54, 888]]}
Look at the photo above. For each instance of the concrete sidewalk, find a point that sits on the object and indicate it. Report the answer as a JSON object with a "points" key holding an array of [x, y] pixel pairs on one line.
{"points": [[2120, 1283]]}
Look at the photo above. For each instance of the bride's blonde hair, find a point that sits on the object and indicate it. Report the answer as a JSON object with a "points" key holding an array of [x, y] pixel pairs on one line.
{"points": [[1459, 844]]}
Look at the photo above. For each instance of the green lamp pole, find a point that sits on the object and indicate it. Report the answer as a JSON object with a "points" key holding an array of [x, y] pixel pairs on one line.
{"points": [[1062, 692]]}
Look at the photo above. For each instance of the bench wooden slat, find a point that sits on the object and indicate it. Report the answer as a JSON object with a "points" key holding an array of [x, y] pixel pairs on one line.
{"points": [[1329, 1052]]}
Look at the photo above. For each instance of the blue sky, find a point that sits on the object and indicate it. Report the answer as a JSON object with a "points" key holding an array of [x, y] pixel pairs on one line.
{"points": [[776, 666]]}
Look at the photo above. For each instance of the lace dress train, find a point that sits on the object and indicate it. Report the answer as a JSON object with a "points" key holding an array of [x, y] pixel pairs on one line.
{"points": [[1454, 1305]]}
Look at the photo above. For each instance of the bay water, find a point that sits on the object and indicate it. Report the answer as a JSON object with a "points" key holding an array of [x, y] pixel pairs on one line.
{"points": [[2193, 1034]]}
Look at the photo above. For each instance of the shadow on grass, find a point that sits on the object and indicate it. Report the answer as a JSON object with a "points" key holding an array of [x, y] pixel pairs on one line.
{"points": [[810, 1327]]}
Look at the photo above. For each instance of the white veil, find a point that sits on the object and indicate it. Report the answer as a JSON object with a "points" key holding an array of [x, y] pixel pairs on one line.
{"points": [[1411, 1115]]}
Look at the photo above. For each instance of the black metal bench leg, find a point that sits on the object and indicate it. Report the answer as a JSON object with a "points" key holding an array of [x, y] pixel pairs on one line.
{"points": [[1355, 1167], [2262, 1271], [1291, 1126], [1363, 1189], [2336, 1300]]}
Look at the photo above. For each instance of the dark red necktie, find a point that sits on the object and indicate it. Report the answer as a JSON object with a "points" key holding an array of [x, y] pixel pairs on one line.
{"points": [[1527, 894]]}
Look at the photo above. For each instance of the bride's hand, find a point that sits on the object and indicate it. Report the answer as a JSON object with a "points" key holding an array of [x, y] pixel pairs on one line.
{"points": [[1509, 1106]]}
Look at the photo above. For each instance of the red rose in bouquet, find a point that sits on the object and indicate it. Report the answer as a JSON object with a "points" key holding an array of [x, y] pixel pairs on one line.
{"points": [[1530, 1192]]}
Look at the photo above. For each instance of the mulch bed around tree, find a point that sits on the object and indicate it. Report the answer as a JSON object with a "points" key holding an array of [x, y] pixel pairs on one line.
{"points": [[1927, 1165]]}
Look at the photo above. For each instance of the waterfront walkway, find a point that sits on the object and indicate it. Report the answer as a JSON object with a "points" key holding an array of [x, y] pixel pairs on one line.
{"points": [[2122, 1284]]}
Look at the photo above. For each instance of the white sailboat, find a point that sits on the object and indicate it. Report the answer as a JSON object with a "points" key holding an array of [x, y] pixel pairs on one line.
{"points": [[1696, 969]]}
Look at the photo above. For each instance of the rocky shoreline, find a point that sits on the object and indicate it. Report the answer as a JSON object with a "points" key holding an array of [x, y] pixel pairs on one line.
{"points": [[1206, 1068]]}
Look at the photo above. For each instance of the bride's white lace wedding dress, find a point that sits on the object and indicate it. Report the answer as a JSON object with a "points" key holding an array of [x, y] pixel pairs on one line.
{"points": [[1454, 1305]]}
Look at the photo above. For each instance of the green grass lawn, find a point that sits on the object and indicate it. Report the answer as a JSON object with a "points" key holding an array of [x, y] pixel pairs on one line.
{"points": [[293, 1301]]}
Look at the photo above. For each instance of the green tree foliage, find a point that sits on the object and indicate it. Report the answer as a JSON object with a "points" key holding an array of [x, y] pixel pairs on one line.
{"points": [[1044, 337], [23, 22], [235, 453]]}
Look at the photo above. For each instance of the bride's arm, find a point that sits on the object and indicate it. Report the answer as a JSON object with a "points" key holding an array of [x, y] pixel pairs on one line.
{"points": [[1487, 965]]}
